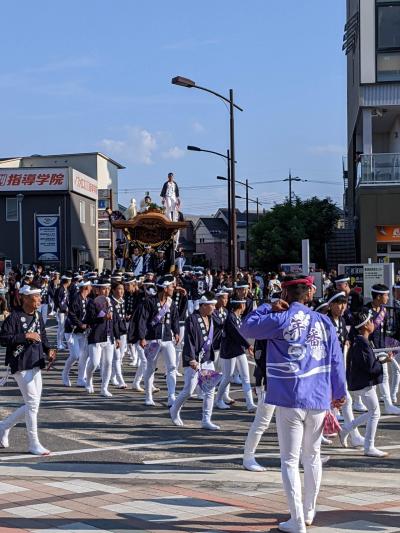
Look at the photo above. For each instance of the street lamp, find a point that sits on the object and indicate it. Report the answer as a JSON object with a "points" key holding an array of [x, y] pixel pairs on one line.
{"points": [[290, 179], [197, 149], [20, 197], [185, 82]]}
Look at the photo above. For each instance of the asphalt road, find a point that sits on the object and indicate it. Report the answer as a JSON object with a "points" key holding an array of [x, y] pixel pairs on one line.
{"points": [[90, 429]]}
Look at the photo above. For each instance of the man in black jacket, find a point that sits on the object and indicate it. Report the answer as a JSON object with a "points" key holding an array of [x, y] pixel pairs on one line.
{"points": [[170, 198]]}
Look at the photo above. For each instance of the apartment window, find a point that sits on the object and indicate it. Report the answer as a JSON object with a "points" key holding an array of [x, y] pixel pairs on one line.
{"points": [[82, 212], [381, 248], [388, 41], [92, 215], [11, 210]]}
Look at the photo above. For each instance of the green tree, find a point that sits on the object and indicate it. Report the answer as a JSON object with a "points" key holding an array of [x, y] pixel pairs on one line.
{"points": [[276, 238]]}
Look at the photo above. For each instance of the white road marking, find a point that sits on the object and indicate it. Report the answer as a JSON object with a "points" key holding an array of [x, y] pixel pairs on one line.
{"points": [[92, 450]]}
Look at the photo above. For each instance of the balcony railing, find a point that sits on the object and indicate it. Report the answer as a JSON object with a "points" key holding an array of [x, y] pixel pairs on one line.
{"points": [[379, 169]]}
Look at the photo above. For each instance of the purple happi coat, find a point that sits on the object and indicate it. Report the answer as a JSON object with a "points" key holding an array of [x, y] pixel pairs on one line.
{"points": [[305, 367]]}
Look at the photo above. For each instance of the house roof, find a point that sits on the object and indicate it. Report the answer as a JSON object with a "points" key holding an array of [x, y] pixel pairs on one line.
{"points": [[240, 216], [214, 225], [65, 155]]}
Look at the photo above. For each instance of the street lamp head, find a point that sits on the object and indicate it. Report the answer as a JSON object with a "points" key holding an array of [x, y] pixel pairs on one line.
{"points": [[222, 178], [240, 197], [193, 148], [183, 82]]}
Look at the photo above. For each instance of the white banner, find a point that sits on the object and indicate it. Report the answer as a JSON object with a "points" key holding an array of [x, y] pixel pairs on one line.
{"points": [[84, 185], [33, 179]]}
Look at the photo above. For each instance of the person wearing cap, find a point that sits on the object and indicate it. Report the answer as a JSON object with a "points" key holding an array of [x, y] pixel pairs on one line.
{"points": [[198, 354], [148, 260], [44, 294], [233, 352], [159, 325], [170, 197], [53, 286], [160, 263], [73, 289], [305, 376], [355, 300], [76, 332], [103, 333], [364, 372], [337, 303], [181, 301], [118, 303], [24, 335], [136, 262], [220, 314], [380, 298], [61, 300]]}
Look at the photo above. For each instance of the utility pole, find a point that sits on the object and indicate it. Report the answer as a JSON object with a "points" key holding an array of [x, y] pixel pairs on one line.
{"points": [[233, 183]]}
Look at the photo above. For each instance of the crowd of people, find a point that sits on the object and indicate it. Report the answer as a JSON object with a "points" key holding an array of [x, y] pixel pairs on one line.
{"points": [[311, 355]]}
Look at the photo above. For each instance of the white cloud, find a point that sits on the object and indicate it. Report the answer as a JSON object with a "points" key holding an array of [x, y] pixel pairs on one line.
{"points": [[138, 147], [197, 127], [327, 149], [173, 153]]}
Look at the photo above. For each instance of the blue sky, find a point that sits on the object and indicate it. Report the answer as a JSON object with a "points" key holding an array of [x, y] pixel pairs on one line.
{"points": [[92, 75]]}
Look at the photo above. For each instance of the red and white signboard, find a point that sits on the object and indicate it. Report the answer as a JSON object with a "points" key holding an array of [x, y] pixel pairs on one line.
{"points": [[33, 179], [84, 185]]}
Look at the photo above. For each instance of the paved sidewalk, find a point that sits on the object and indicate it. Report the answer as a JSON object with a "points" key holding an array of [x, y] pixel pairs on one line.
{"points": [[50, 499]]}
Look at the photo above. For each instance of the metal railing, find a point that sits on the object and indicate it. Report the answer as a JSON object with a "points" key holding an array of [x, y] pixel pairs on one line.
{"points": [[379, 169]]}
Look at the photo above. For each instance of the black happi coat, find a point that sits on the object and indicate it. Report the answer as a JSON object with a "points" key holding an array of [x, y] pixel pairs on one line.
{"points": [[363, 368], [341, 330], [100, 328], [181, 302], [148, 263], [133, 304], [12, 336], [249, 305], [195, 333], [165, 329], [219, 317], [233, 343], [61, 299], [378, 336], [164, 189], [119, 311], [76, 316]]}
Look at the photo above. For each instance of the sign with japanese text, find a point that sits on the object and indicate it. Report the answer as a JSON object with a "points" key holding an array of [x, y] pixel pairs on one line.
{"points": [[373, 274], [388, 234], [47, 232], [83, 184], [33, 179]]}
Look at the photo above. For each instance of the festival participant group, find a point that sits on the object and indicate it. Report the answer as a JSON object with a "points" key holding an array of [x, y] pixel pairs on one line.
{"points": [[307, 356]]}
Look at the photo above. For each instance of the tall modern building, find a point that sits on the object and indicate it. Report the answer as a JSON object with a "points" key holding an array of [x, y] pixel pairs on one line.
{"points": [[372, 199]]}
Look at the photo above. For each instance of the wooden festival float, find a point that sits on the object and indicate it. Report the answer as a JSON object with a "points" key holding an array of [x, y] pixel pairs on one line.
{"points": [[151, 228]]}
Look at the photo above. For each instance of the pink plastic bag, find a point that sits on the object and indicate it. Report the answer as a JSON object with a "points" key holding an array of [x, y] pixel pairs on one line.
{"points": [[331, 425]]}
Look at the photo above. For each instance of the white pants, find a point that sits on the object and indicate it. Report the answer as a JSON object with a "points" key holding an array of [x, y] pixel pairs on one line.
{"points": [[117, 361], [30, 385], [142, 366], [395, 378], [259, 426], [100, 352], [77, 345], [60, 328], [189, 387], [371, 417], [179, 347], [300, 431], [44, 308], [348, 415], [228, 368], [167, 349], [133, 354], [171, 208]]}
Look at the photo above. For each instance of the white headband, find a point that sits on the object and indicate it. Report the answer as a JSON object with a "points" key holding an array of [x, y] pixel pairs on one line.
{"points": [[380, 292], [335, 297], [203, 300], [324, 304], [26, 290], [365, 321]]}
